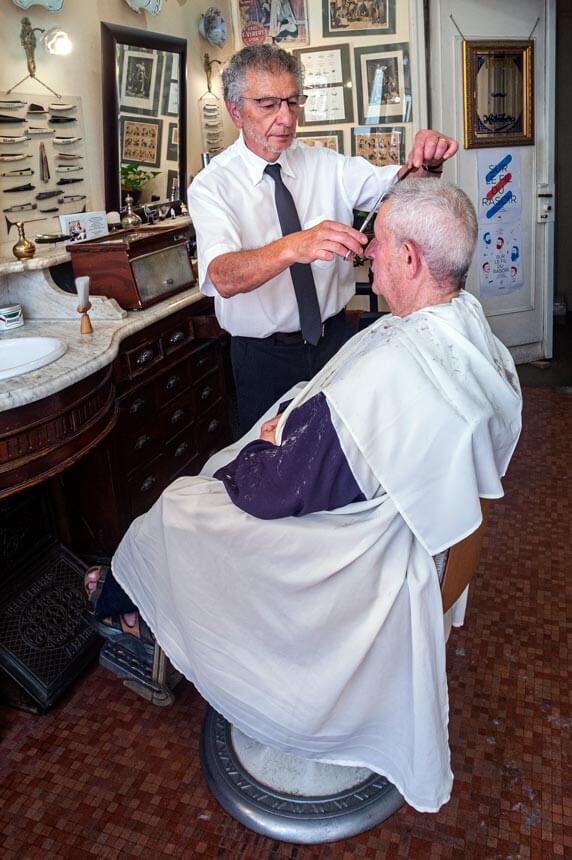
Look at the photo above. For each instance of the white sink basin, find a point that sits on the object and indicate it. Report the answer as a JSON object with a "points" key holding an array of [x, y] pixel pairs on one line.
{"points": [[22, 354]]}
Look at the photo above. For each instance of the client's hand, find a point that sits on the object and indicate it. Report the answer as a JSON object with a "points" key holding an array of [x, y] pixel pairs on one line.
{"points": [[268, 430]]}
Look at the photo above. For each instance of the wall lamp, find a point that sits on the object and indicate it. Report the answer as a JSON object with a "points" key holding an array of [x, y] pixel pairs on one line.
{"points": [[54, 40]]}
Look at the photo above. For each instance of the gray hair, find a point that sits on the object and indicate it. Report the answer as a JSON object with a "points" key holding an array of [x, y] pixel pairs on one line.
{"points": [[440, 219], [259, 58]]}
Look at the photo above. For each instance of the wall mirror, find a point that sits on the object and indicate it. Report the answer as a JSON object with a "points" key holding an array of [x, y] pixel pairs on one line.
{"points": [[144, 116]]}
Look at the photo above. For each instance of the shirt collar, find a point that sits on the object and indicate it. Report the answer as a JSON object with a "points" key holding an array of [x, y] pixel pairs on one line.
{"points": [[255, 165]]}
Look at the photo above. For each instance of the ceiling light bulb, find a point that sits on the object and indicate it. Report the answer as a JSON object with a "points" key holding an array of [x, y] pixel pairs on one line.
{"points": [[57, 41]]}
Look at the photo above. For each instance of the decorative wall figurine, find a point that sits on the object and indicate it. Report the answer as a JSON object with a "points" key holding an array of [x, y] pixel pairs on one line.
{"points": [[212, 27], [50, 5], [151, 6]]}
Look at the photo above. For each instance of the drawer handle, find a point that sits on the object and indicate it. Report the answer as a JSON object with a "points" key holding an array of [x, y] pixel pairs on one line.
{"points": [[181, 449], [137, 406], [213, 425], [142, 442], [168, 282], [148, 483], [177, 337], [202, 360], [206, 392], [177, 415], [144, 357], [172, 382]]}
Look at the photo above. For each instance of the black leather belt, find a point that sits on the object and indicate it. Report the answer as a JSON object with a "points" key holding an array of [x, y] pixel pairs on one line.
{"points": [[287, 338]]}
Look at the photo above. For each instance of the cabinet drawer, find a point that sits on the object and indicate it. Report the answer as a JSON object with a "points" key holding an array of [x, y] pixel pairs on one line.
{"points": [[177, 336], [203, 360], [140, 446], [207, 391], [173, 384], [176, 416], [180, 451], [137, 409], [143, 357], [146, 485], [212, 432]]}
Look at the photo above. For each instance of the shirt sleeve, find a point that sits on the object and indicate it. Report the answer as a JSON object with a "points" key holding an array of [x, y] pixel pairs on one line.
{"points": [[308, 472]]}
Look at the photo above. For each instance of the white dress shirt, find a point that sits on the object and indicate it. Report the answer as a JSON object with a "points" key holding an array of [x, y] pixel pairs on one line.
{"points": [[232, 206]]}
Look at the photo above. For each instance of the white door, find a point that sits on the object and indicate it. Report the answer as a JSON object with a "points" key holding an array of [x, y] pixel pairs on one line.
{"points": [[522, 318]]}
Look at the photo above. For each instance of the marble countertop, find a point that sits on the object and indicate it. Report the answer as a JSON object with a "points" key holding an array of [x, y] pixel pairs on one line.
{"points": [[85, 354]]}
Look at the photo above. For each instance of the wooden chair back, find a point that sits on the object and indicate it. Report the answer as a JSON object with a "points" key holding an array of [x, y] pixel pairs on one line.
{"points": [[462, 563]]}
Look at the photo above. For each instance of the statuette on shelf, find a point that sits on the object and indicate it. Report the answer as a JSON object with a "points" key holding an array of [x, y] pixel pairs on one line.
{"points": [[23, 249]]}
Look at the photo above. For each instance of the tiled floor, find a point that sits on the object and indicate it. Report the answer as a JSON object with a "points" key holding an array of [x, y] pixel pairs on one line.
{"points": [[107, 775]]}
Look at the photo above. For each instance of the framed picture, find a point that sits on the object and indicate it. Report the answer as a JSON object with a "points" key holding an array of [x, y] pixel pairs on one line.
{"points": [[173, 142], [327, 84], [379, 145], [170, 95], [498, 93], [278, 22], [332, 139], [139, 79], [358, 18], [141, 140], [383, 84]]}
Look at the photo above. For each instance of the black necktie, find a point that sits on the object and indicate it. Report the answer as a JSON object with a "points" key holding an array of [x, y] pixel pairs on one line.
{"points": [[302, 277]]}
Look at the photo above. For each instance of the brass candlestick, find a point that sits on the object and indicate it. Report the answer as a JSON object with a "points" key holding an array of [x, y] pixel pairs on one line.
{"points": [[85, 326], [23, 249]]}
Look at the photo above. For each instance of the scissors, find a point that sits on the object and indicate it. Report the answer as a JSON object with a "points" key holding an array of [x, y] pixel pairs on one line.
{"points": [[373, 211]]}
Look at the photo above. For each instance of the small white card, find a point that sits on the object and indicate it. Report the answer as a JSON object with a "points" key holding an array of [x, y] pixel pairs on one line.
{"points": [[84, 225]]}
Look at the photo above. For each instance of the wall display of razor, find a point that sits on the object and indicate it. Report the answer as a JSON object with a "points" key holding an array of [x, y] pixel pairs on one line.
{"points": [[13, 138], [46, 141]]}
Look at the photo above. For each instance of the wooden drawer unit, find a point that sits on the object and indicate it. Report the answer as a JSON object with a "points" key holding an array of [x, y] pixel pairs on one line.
{"points": [[172, 416]]}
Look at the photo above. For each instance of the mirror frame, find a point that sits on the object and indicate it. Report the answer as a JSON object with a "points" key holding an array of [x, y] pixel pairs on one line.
{"points": [[111, 36]]}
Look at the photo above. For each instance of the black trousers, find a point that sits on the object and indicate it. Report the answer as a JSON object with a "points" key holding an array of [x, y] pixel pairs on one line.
{"points": [[265, 368]]}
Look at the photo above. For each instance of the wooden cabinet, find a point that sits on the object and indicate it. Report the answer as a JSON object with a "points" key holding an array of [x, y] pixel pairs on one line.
{"points": [[173, 414]]}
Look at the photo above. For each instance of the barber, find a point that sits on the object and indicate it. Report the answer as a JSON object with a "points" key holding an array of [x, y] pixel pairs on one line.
{"points": [[272, 218]]}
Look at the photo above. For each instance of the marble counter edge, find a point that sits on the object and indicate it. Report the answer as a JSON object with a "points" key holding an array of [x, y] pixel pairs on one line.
{"points": [[85, 355]]}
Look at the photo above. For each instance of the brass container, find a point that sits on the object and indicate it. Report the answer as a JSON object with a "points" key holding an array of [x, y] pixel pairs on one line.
{"points": [[23, 249]]}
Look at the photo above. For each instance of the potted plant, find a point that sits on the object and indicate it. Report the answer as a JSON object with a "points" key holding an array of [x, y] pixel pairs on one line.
{"points": [[133, 178]]}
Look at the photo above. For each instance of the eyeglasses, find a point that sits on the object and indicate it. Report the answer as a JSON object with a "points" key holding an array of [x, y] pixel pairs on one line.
{"points": [[273, 103]]}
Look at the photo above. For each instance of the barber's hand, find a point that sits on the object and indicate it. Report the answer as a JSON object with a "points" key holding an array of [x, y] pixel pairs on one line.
{"points": [[324, 241], [268, 430], [431, 147]]}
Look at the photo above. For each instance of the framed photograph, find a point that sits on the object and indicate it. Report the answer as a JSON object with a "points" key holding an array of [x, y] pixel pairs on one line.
{"points": [[84, 225], [173, 142], [358, 18], [332, 139], [139, 79], [498, 85], [141, 140], [379, 145], [278, 22], [327, 84], [170, 95], [383, 84]]}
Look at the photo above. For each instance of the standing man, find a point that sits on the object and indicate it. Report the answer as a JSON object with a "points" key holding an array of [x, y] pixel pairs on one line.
{"points": [[272, 218]]}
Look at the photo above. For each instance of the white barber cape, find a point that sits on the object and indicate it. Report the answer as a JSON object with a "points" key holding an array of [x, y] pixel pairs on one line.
{"points": [[323, 635]]}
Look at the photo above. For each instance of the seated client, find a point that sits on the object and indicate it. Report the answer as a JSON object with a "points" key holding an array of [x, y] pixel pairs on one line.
{"points": [[293, 581]]}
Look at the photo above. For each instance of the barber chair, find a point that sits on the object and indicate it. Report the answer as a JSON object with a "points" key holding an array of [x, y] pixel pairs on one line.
{"points": [[296, 800]]}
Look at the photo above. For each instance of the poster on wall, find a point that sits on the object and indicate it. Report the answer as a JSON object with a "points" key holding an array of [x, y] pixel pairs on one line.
{"points": [[379, 145], [278, 22], [327, 85], [499, 185], [383, 84], [139, 79], [332, 139], [358, 17], [141, 140], [500, 258]]}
